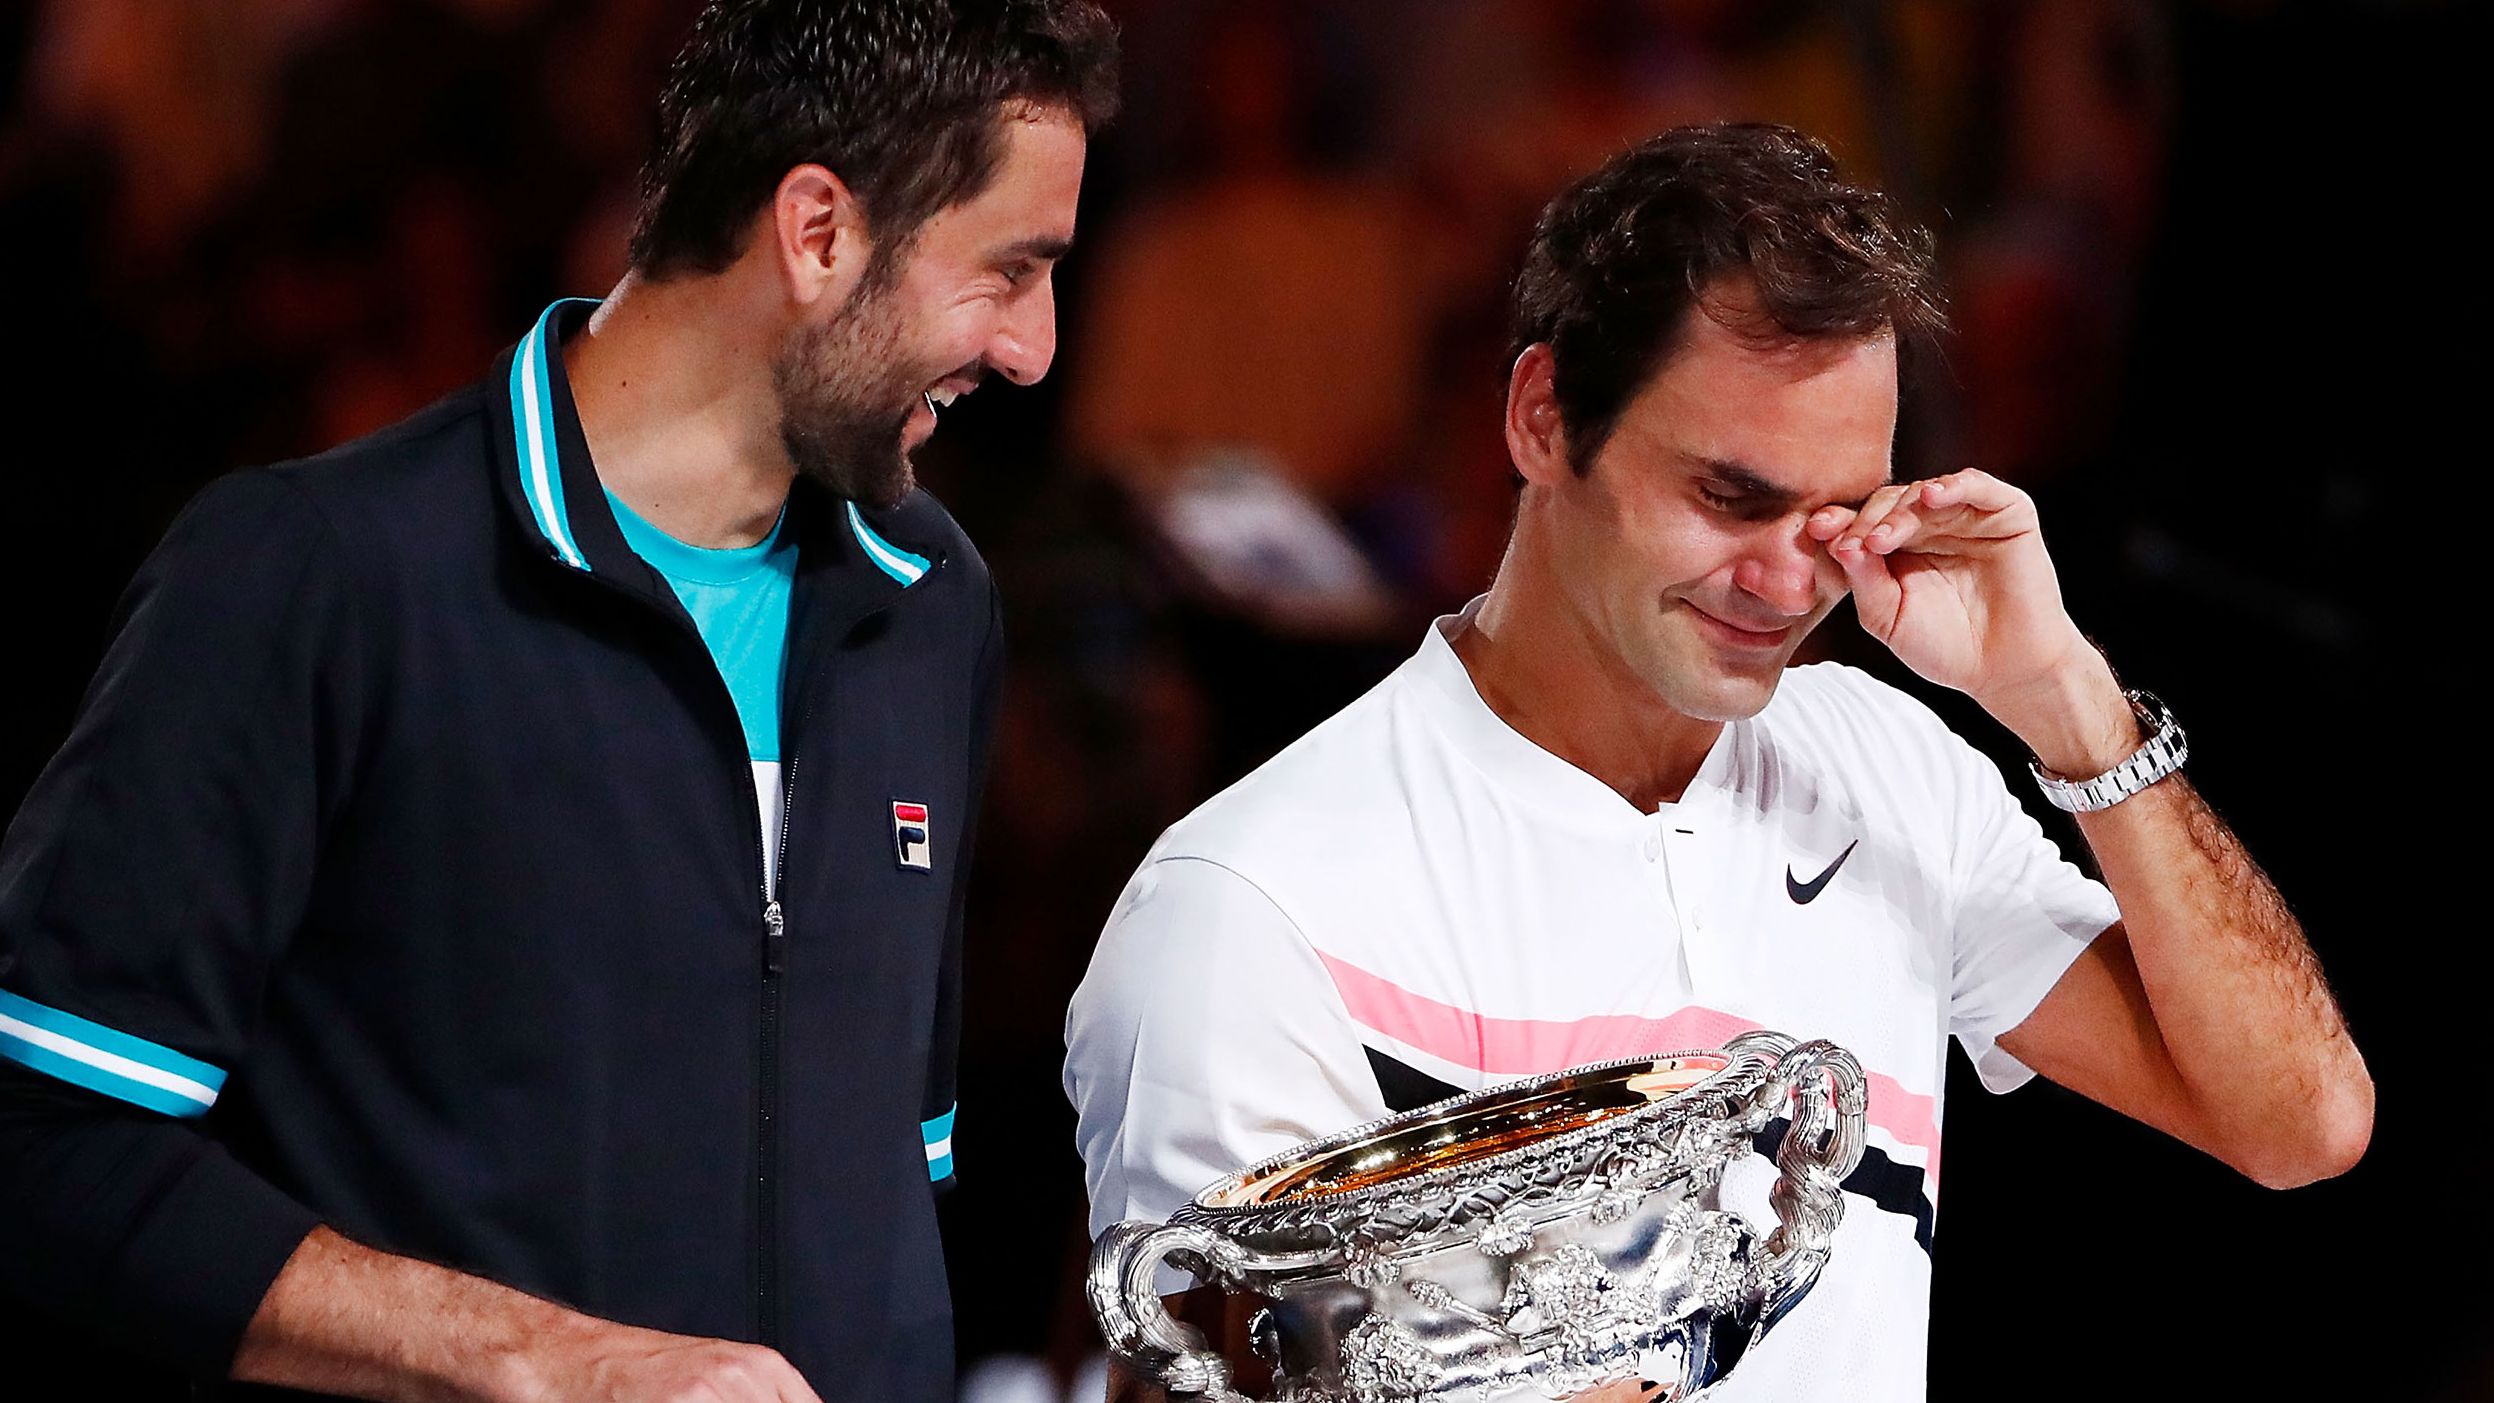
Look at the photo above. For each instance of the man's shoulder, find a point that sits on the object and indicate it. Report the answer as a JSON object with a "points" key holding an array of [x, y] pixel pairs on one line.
{"points": [[1869, 737], [1330, 798], [343, 503], [444, 444], [415, 491], [1837, 700]]}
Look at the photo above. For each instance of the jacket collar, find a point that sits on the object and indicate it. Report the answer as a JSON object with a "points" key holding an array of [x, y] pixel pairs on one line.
{"points": [[550, 484]]}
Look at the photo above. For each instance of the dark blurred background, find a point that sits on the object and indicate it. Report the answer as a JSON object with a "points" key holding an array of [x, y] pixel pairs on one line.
{"points": [[2208, 261]]}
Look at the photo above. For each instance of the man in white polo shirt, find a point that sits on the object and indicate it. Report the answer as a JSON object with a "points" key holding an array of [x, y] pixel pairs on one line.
{"points": [[1595, 816]]}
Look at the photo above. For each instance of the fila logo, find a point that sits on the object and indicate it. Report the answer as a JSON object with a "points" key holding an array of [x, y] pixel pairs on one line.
{"points": [[910, 844]]}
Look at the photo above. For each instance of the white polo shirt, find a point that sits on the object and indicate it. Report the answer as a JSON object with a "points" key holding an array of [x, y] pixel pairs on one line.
{"points": [[1414, 897]]}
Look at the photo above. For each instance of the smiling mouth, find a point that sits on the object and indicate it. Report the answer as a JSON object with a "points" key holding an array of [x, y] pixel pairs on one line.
{"points": [[1741, 634], [941, 395]]}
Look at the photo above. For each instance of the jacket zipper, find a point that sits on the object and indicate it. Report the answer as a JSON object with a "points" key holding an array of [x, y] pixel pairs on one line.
{"points": [[766, 1123], [774, 968], [774, 965]]}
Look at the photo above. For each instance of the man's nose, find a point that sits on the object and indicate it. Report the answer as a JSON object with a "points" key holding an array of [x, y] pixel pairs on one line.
{"points": [[1026, 342], [1784, 575]]}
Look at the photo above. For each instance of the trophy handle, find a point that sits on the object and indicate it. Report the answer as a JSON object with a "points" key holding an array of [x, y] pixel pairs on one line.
{"points": [[1829, 1098], [1125, 1300]]}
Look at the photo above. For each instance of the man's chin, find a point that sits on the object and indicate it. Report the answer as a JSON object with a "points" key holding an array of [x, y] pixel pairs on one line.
{"points": [[889, 492], [1728, 705], [881, 491], [1721, 695]]}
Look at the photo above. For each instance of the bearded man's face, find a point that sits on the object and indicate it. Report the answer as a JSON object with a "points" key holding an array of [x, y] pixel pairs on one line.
{"points": [[971, 290], [852, 392]]}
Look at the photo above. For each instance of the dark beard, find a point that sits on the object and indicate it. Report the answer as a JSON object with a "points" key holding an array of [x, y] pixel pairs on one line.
{"points": [[845, 398]]}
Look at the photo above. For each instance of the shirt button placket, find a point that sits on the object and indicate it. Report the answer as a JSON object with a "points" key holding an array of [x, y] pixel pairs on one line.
{"points": [[1658, 872], [1681, 863]]}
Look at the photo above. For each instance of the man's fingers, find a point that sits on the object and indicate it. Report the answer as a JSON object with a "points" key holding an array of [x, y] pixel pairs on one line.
{"points": [[1974, 488], [1873, 512], [1876, 594], [1978, 506], [1961, 514], [1902, 525]]}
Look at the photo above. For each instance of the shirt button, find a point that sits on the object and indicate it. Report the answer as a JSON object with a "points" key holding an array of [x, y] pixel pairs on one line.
{"points": [[1653, 846]]}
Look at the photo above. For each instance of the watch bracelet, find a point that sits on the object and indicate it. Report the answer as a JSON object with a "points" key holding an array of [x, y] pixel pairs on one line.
{"points": [[2160, 755]]}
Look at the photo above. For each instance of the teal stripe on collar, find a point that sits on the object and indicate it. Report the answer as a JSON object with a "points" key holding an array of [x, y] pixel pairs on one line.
{"points": [[532, 428], [901, 565], [75, 1050]]}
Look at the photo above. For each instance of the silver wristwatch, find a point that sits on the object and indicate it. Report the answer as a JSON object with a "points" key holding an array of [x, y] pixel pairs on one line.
{"points": [[2163, 753]]}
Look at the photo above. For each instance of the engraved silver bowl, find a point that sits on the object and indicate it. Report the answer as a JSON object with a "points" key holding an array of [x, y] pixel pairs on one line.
{"points": [[1531, 1240]]}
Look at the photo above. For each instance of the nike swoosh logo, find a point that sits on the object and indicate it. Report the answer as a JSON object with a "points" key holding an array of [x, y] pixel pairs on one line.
{"points": [[1806, 892]]}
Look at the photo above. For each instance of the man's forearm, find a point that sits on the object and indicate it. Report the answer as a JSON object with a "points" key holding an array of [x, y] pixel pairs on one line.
{"points": [[2276, 1084], [348, 1320], [345, 1319], [2238, 995]]}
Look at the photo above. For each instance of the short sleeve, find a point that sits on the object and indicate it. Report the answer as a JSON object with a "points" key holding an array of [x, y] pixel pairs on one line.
{"points": [[2023, 915], [1206, 1036]]}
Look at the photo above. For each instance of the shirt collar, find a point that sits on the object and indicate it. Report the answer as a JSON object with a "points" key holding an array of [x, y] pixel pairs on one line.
{"points": [[1553, 786], [548, 477]]}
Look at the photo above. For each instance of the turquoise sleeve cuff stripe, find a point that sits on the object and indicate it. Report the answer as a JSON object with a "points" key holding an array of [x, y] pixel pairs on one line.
{"points": [[938, 1134], [63, 1045]]}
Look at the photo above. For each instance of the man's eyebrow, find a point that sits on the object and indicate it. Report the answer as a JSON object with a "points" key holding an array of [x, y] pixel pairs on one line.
{"points": [[1043, 248], [1749, 482]]}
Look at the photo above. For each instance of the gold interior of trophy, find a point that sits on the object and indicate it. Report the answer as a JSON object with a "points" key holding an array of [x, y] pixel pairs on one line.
{"points": [[1477, 1131]]}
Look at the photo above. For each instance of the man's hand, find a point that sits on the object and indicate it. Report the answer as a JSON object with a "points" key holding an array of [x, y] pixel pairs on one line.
{"points": [[602, 1362], [1952, 575], [345, 1319]]}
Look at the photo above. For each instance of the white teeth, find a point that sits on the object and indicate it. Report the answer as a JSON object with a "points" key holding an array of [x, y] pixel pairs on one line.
{"points": [[944, 396]]}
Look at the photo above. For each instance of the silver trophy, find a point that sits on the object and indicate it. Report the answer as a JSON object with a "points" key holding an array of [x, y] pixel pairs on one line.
{"points": [[1527, 1241]]}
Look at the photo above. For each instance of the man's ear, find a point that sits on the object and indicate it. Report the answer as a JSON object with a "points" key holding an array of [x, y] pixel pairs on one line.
{"points": [[1536, 439], [817, 232]]}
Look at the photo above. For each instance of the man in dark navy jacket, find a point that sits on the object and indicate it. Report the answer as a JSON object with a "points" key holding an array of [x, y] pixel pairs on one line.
{"points": [[531, 840]]}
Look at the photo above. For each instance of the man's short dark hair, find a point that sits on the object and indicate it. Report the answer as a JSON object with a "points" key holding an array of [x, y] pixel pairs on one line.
{"points": [[1621, 259], [902, 99]]}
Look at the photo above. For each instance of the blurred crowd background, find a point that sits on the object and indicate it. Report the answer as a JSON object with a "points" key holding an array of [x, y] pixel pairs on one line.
{"points": [[2207, 263]]}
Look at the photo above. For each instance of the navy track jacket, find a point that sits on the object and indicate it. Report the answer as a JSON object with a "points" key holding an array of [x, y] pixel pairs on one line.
{"points": [[403, 873]]}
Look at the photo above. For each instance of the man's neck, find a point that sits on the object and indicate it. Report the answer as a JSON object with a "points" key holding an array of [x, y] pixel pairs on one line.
{"points": [[673, 384], [1537, 665]]}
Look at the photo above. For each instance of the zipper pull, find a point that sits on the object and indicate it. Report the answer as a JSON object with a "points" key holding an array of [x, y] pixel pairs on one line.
{"points": [[774, 939]]}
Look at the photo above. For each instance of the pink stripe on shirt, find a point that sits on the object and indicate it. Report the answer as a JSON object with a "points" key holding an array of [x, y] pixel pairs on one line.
{"points": [[1520, 1047]]}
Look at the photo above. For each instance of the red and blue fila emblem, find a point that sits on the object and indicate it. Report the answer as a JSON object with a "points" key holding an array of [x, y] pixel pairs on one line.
{"points": [[909, 836]]}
